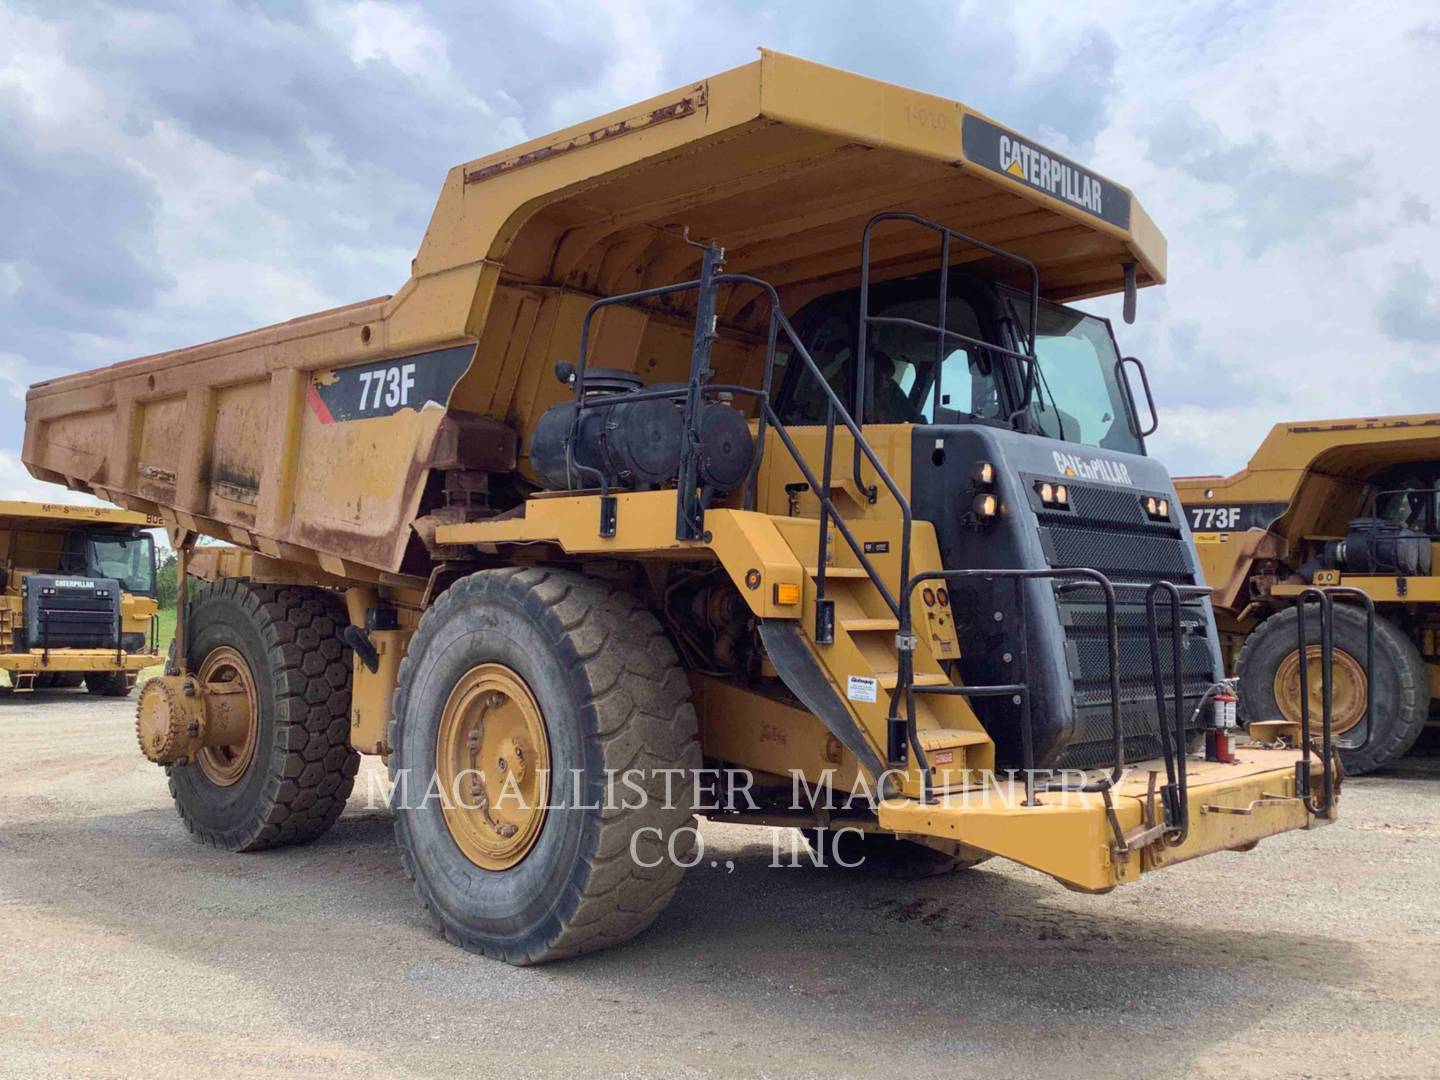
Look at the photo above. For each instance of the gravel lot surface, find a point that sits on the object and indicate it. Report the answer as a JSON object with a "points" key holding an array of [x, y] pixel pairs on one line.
{"points": [[126, 949]]}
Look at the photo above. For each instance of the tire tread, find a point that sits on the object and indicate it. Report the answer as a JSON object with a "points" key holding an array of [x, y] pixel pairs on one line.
{"points": [[311, 766], [642, 716]]}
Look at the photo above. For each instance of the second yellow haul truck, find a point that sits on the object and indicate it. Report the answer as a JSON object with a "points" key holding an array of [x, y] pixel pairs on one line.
{"points": [[1351, 503], [742, 429], [77, 597]]}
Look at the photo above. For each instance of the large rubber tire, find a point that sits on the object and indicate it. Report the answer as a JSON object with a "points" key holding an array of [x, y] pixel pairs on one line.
{"points": [[1399, 692], [881, 855], [613, 697], [303, 768], [108, 683]]}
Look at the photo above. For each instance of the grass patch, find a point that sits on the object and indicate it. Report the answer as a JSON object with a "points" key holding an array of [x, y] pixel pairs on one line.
{"points": [[164, 633]]}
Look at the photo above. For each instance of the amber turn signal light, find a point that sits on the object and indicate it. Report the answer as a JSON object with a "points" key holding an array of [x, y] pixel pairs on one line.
{"points": [[787, 594]]}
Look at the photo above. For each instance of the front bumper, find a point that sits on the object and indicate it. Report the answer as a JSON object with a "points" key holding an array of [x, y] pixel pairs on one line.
{"points": [[77, 660], [1073, 837]]}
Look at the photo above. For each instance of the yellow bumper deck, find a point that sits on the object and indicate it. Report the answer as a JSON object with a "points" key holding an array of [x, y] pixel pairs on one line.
{"points": [[1072, 837], [39, 662]]}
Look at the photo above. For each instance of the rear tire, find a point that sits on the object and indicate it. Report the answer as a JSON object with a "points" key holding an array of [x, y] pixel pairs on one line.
{"points": [[611, 697], [881, 855], [108, 683], [300, 768], [1399, 691]]}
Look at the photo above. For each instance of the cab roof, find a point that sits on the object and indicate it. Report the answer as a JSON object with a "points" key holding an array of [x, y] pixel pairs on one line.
{"points": [[782, 162]]}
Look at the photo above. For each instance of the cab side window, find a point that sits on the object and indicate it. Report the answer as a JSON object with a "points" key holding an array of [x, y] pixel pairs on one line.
{"points": [[832, 346]]}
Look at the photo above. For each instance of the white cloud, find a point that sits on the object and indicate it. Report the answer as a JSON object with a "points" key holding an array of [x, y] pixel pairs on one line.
{"points": [[16, 484], [399, 33], [12, 375]]}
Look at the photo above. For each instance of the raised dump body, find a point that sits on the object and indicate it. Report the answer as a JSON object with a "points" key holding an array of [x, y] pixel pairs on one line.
{"points": [[77, 596], [742, 428], [1351, 504]]}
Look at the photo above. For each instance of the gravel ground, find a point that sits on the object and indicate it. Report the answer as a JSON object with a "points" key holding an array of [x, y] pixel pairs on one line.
{"points": [[126, 949]]}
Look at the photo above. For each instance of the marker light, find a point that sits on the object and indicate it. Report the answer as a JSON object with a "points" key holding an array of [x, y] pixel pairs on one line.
{"points": [[984, 473], [929, 595], [787, 593], [1053, 496], [1157, 509], [986, 505], [942, 596]]}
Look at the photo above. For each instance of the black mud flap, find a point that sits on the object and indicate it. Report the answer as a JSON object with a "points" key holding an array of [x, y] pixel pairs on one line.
{"points": [[801, 672]]}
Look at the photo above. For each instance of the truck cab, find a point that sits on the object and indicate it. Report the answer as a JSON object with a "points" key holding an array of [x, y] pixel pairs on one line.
{"points": [[79, 597], [1067, 423]]}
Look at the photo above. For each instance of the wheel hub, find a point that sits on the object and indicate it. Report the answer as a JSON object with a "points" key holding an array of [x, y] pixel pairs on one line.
{"points": [[232, 715], [492, 763], [1348, 689], [210, 719]]}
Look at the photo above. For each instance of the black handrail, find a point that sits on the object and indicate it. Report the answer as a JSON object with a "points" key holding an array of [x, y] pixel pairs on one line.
{"points": [[767, 415], [1175, 795], [942, 330], [1325, 598], [1019, 688]]}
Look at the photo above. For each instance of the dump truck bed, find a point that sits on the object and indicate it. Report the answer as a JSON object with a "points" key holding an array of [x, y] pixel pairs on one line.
{"points": [[252, 438]]}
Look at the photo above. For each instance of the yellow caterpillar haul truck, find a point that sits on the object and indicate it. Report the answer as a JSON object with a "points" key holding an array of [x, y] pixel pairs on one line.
{"points": [[1335, 503], [741, 430], [77, 596]]}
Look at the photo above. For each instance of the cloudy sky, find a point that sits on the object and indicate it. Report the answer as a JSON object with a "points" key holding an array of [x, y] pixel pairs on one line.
{"points": [[174, 172]]}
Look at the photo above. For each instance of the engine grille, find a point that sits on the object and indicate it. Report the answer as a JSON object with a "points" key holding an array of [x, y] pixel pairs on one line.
{"points": [[1107, 530]]}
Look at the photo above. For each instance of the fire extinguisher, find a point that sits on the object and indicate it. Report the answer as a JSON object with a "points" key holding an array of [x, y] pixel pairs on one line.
{"points": [[1218, 745]]}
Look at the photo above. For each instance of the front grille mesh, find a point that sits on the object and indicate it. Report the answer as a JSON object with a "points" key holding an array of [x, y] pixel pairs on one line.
{"points": [[1107, 530]]}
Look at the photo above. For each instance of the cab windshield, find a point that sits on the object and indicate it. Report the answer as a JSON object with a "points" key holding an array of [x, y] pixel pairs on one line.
{"points": [[128, 559], [911, 378], [1077, 395]]}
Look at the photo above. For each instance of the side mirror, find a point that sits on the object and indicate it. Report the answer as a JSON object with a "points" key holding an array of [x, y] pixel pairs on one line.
{"points": [[1131, 413], [1130, 290]]}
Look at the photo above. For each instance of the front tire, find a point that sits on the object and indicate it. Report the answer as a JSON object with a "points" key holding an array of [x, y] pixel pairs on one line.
{"points": [[579, 674], [287, 781], [1268, 670], [108, 683]]}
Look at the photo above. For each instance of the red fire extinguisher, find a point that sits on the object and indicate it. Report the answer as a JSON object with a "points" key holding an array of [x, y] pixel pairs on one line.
{"points": [[1218, 745]]}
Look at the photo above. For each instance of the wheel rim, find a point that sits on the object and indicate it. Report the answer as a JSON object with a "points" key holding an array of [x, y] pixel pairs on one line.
{"points": [[226, 672], [492, 762], [1348, 689]]}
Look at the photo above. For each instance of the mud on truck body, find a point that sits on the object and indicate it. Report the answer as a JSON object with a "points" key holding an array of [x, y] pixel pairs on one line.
{"points": [[742, 429], [77, 597]]}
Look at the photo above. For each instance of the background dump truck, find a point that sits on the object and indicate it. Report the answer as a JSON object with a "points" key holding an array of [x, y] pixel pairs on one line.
{"points": [[1349, 503], [77, 596], [695, 440]]}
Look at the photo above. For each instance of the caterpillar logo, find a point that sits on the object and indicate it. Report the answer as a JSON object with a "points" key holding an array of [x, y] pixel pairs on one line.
{"points": [[1038, 168], [1005, 152], [1096, 468]]}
